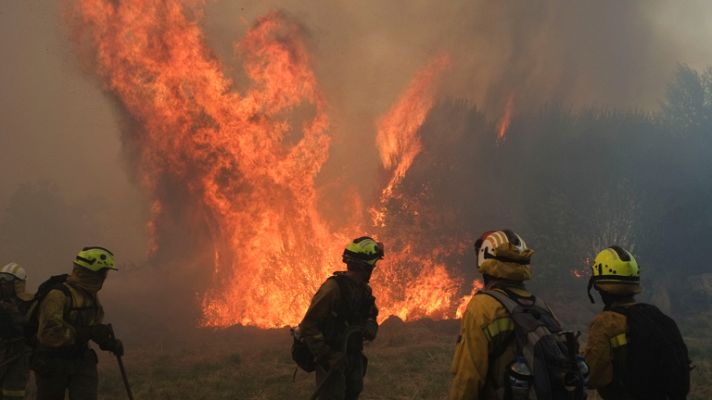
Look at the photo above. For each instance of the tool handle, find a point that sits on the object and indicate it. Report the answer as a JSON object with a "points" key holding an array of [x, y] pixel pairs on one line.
{"points": [[120, 361], [125, 377]]}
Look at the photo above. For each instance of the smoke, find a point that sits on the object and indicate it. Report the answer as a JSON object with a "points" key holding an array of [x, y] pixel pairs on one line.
{"points": [[612, 54], [609, 52]]}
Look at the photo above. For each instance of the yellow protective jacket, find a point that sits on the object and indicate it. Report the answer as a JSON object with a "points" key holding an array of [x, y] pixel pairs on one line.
{"points": [[60, 316], [605, 352], [322, 325], [484, 350]]}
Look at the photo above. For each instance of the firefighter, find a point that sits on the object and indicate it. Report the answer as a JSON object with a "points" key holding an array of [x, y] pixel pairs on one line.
{"points": [[634, 351], [486, 347], [14, 351], [71, 315], [341, 316]]}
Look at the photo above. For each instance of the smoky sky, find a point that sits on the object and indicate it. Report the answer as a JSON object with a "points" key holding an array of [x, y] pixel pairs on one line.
{"points": [[58, 126], [602, 53]]}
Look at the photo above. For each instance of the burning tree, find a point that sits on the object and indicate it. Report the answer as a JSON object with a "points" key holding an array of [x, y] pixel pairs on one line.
{"points": [[243, 163]]}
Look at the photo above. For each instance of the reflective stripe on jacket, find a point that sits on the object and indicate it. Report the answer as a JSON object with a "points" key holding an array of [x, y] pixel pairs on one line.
{"points": [[484, 350]]}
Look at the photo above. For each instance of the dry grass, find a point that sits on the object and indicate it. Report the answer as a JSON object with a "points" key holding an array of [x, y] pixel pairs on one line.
{"points": [[407, 361]]}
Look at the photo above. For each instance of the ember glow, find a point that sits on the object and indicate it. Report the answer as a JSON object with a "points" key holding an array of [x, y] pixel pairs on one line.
{"points": [[578, 274], [583, 272], [249, 168], [506, 120]]}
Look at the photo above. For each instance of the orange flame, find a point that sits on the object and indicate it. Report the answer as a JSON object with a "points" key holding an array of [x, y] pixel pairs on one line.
{"points": [[579, 273], [506, 120], [414, 281], [397, 139], [430, 289], [250, 168]]}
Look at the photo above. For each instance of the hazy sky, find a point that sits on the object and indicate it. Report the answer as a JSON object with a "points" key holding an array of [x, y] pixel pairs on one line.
{"points": [[56, 124]]}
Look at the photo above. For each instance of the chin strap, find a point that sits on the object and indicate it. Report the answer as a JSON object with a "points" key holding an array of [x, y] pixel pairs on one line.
{"points": [[590, 285]]}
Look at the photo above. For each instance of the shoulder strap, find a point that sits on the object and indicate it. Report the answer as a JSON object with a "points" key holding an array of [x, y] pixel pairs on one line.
{"points": [[528, 314], [87, 295], [345, 293], [507, 301], [511, 301], [69, 301], [33, 311], [40, 296]]}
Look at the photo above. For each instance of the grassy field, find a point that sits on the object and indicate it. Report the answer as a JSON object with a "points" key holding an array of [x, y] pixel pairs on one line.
{"points": [[407, 361]]}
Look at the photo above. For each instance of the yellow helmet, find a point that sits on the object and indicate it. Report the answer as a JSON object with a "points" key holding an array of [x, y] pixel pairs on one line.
{"points": [[503, 254], [615, 271], [363, 250], [13, 271], [95, 259]]}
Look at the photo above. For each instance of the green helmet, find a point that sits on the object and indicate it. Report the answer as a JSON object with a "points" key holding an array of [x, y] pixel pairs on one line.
{"points": [[615, 271], [95, 259], [363, 250]]}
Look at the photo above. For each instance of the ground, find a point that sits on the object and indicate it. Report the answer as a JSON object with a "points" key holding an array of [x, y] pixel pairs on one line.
{"points": [[407, 361]]}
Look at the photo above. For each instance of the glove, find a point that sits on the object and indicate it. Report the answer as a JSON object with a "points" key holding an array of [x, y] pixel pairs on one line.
{"points": [[101, 334], [115, 346]]}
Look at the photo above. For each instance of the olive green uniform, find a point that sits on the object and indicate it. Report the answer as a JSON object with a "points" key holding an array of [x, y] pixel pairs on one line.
{"points": [[330, 316], [63, 360], [14, 351]]}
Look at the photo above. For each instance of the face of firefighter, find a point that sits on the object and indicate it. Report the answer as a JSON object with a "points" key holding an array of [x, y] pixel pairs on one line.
{"points": [[361, 271], [101, 276], [90, 280]]}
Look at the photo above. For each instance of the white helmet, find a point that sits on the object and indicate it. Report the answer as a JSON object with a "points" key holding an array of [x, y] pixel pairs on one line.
{"points": [[490, 242], [15, 270]]}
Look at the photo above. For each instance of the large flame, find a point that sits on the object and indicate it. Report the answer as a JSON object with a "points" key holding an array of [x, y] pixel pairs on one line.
{"points": [[249, 167], [397, 139]]}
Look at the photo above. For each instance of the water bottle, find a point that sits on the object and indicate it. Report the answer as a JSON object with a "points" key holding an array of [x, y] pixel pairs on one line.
{"points": [[583, 369], [520, 379]]}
